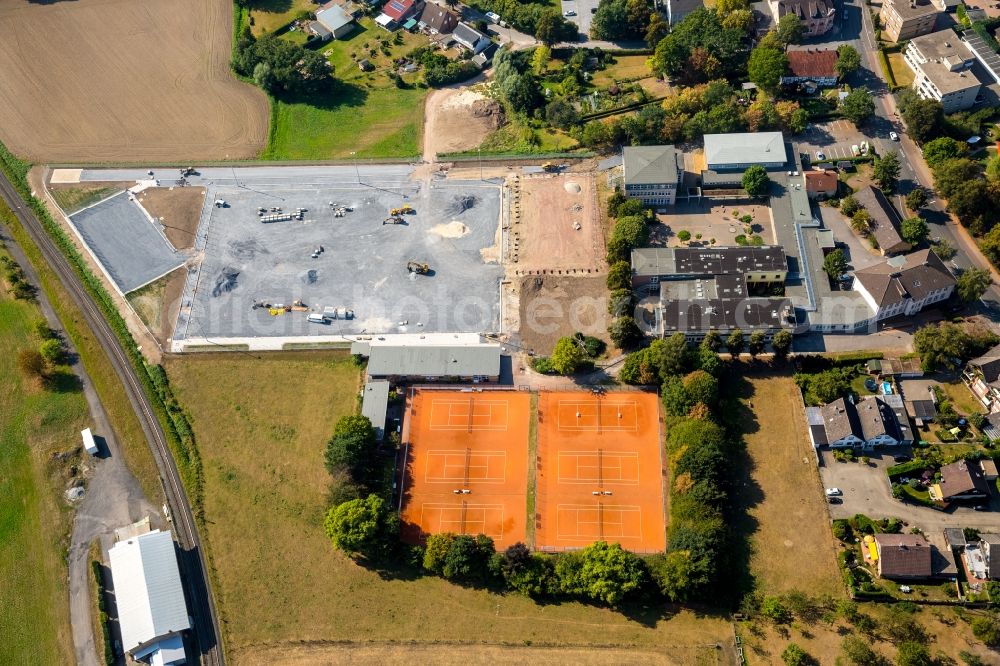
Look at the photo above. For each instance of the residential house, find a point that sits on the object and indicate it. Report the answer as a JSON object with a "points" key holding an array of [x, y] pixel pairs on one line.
{"points": [[960, 481], [739, 150], [397, 12], [438, 20], [904, 285], [821, 184], [982, 375], [869, 424], [332, 22], [816, 66], [904, 556], [906, 19], [652, 174], [989, 467], [941, 64], [470, 38], [817, 16], [990, 545], [885, 221]]}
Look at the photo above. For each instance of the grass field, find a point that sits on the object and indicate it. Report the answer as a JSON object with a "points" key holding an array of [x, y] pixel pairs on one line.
{"points": [[72, 199], [269, 15], [366, 115], [625, 67], [961, 397], [900, 70], [784, 497], [261, 427], [34, 524]]}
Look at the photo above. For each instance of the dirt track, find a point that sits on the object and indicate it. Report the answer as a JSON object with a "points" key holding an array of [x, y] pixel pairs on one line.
{"points": [[118, 80]]}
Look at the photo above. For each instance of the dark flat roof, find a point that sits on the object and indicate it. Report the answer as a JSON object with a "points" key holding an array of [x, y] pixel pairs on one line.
{"points": [[749, 314]]}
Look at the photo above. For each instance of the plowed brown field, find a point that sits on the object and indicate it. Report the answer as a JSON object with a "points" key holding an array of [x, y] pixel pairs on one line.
{"points": [[119, 80]]}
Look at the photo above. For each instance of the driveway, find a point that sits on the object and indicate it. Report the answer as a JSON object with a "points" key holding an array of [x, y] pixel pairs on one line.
{"points": [[835, 138], [858, 251], [866, 490]]}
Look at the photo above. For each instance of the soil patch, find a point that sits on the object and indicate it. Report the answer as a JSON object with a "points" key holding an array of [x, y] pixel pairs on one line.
{"points": [[119, 80], [552, 307], [157, 304], [450, 230], [556, 225], [458, 119], [178, 209], [74, 197]]}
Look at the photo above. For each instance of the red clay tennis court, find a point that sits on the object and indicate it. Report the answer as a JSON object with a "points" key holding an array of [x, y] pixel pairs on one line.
{"points": [[600, 471], [467, 464]]}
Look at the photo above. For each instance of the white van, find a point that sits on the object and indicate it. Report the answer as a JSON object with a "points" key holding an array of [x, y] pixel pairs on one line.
{"points": [[317, 318]]}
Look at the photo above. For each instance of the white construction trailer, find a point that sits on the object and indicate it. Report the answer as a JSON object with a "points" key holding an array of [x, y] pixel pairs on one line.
{"points": [[88, 441]]}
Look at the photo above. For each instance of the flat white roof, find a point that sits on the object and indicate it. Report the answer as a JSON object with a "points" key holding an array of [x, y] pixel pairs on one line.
{"points": [[147, 588]]}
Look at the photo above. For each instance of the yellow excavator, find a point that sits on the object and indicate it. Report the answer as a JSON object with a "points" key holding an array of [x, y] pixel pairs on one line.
{"points": [[417, 267], [405, 209]]}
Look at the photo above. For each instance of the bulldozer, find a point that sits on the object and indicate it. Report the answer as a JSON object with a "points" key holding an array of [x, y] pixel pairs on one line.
{"points": [[549, 167], [417, 267], [299, 306], [395, 219], [405, 209]]}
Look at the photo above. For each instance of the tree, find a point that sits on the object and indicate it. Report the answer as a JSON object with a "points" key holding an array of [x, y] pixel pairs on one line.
{"points": [[756, 344], [911, 653], [52, 351], [467, 558], [939, 344], [738, 21], [674, 356], [31, 364], [835, 264], [522, 92], [848, 60], [858, 652], [363, 527], [712, 341], [561, 113], [658, 29], [756, 180], [916, 199], [861, 220], [702, 387], [858, 106], [987, 630], [766, 67], [540, 59], [619, 276], [914, 230], [781, 343], [886, 171], [624, 332], [436, 550], [610, 21], [352, 446], [773, 609], [552, 28], [793, 655], [628, 233], [671, 573], [735, 343], [849, 205], [940, 149], [676, 400], [567, 356], [602, 572], [790, 29], [972, 284], [924, 119]]}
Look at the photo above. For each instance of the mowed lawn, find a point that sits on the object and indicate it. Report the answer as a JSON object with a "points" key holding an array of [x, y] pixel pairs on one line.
{"points": [[261, 426], [269, 15], [365, 115], [793, 547], [34, 423]]}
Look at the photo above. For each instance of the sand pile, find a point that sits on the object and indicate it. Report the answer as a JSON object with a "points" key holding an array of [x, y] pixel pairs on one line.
{"points": [[450, 230]]}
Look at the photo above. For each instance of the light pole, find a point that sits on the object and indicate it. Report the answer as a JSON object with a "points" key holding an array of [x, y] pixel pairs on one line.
{"points": [[357, 171], [480, 152]]}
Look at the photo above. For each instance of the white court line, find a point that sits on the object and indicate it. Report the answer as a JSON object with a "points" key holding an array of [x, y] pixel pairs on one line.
{"points": [[579, 406], [463, 418], [619, 455], [621, 510], [454, 524], [459, 456]]}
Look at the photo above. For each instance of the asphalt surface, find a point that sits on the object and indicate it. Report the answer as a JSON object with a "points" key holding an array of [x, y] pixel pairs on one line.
{"points": [[191, 558], [125, 242]]}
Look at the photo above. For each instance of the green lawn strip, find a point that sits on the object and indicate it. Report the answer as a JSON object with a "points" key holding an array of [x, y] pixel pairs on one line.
{"points": [[72, 199], [529, 532], [34, 615]]}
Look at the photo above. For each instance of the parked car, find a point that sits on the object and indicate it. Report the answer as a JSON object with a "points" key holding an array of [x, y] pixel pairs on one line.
{"points": [[902, 459], [856, 150], [820, 155], [893, 136], [864, 147], [834, 500], [569, 14], [981, 507], [834, 492]]}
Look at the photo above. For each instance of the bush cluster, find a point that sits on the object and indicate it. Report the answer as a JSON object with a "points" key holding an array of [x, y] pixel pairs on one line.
{"points": [[16, 280]]}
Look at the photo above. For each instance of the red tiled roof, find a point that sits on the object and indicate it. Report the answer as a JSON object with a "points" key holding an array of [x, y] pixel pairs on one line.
{"points": [[821, 181], [812, 64], [398, 10], [904, 556]]}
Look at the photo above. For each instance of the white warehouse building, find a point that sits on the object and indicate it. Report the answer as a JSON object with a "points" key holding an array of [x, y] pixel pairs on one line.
{"points": [[151, 608]]}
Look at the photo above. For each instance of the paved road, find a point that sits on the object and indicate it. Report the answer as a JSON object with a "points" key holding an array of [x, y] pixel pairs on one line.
{"points": [[192, 562]]}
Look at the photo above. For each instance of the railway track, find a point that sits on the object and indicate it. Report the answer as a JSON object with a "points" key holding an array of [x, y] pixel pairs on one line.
{"points": [[192, 560]]}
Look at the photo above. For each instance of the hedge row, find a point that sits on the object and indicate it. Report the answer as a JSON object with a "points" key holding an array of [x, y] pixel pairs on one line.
{"points": [[109, 654], [184, 451]]}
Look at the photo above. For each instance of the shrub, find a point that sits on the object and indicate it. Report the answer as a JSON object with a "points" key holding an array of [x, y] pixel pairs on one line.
{"points": [[773, 609], [31, 364], [684, 235], [620, 276]]}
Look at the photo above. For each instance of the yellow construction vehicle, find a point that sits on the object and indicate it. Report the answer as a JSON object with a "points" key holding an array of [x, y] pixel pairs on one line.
{"points": [[417, 267], [405, 209], [550, 167], [395, 219], [299, 306]]}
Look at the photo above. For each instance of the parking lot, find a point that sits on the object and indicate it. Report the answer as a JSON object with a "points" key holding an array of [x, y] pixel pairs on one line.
{"points": [[354, 262], [866, 490], [834, 139]]}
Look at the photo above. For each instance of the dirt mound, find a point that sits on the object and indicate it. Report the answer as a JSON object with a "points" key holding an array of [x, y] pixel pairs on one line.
{"points": [[571, 187], [491, 110], [246, 250], [450, 230]]}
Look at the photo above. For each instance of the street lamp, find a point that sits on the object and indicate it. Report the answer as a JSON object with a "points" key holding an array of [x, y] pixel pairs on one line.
{"points": [[357, 172]]}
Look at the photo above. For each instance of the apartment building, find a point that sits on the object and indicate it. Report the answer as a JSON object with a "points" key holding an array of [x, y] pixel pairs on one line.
{"points": [[940, 62], [906, 19]]}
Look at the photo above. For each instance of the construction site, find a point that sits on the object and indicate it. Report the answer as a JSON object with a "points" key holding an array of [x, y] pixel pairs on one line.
{"points": [[287, 252]]}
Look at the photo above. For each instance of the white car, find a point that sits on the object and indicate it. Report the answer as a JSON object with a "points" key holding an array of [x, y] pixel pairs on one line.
{"points": [[834, 492], [864, 147], [893, 136], [820, 155], [569, 14]]}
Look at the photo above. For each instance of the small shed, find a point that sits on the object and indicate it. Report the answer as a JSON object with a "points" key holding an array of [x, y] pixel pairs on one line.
{"points": [[374, 405], [989, 469], [921, 411], [88, 441], [365, 65]]}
